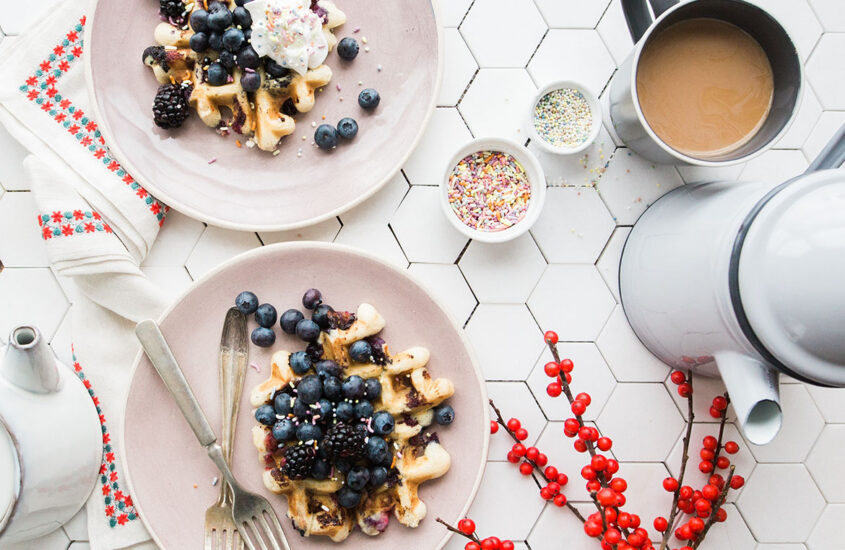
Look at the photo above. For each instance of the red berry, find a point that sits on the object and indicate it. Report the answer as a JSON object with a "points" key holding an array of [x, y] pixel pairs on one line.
{"points": [[507, 545], [612, 536], [550, 337], [585, 397], [472, 545], [518, 449], [553, 487], [678, 377], [587, 472], [598, 463], [554, 389], [592, 528], [526, 469], [684, 532], [686, 492], [715, 413], [723, 462], [710, 492], [619, 485], [731, 447], [578, 408], [567, 365], [612, 466], [604, 443], [620, 501], [560, 500], [494, 426], [572, 425], [720, 403], [717, 480], [684, 390], [512, 457], [542, 460], [531, 453], [552, 369], [594, 434], [562, 479], [584, 433], [521, 434], [545, 494], [737, 482], [593, 486], [721, 515], [610, 514], [466, 526], [707, 454], [491, 543], [705, 467], [636, 539], [670, 484], [580, 446], [696, 524], [514, 424], [606, 496], [635, 521], [624, 520], [550, 472], [703, 505], [710, 442], [660, 524], [568, 378]]}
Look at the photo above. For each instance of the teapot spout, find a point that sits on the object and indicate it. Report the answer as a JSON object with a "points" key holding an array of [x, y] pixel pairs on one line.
{"points": [[755, 395], [29, 363]]}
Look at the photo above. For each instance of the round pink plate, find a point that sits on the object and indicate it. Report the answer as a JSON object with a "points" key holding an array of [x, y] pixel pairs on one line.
{"points": [[253, 190], [169, 474]]}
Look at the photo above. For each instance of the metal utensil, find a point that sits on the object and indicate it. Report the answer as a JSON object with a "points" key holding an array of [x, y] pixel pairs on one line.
{"points": [[220, 529], [257, 523]]}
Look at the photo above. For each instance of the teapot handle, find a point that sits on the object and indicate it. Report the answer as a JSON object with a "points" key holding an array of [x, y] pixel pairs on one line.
{"points": [[833, 155], [639, 17]]}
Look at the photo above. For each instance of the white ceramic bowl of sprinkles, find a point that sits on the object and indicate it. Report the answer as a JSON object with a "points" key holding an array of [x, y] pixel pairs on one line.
{"points": [[565, 117], [493, 190]]}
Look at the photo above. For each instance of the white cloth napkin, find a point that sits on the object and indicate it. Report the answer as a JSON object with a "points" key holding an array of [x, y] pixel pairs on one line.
{"points": [[98, 225]]}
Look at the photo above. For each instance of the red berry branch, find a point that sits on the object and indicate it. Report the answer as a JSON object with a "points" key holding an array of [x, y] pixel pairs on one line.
{"points": [[693, 512]]}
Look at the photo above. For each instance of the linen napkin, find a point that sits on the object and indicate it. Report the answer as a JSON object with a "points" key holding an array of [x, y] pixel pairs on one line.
{"points": [[98, 224]]}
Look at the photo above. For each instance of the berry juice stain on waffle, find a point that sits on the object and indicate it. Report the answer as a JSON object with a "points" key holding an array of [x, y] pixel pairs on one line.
{"points": [[343, 426], [249, 67]]}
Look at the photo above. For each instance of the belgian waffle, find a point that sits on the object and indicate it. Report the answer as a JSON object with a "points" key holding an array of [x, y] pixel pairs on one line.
{"points": [[261, 115], [408, 393]]}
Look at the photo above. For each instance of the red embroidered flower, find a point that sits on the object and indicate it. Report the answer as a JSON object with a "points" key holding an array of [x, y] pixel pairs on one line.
{"points": [[74, 128], [109, 510], [51, 92], [155, 208], [96, 401], [56, 216], [59, 50], [67, 230], [91, 126], [113, 166], [60, 117], [102, 419], [118, 495], [86, 382], [113, 475], [77, 114], [109, 455], [141, 192], [45, 65], [72, 36], [96, 215], [78, 215], [32, 95], [103, 468], [47, 233], [64, 66], [106, 439], [64, 104], [76, 51], [106, 489], [122, 519], [99, 153], [127, 179], [128, 500], [31, 81], [86, 141], [107, 228], [89, 228], [76, 366]]}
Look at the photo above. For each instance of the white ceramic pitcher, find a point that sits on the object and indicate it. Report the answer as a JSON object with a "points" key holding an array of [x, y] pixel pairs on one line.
{"points": [[51, 443]]}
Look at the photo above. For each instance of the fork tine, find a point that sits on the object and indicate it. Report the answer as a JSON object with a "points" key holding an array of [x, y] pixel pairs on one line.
{"points": [[209, 539], [230, 535], [247, 536], [274, 520], [239, 541], [274, 537], [256, 532]]}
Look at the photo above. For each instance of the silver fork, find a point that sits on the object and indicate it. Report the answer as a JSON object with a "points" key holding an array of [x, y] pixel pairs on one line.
{"points": [[257, 523], [220, 530]]}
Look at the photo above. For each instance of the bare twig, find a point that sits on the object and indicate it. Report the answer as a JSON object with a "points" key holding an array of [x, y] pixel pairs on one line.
{"points": [[684, 459], [473, 537]]}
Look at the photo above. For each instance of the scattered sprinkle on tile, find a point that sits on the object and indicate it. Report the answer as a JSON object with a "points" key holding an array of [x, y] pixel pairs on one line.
{"points": [[379, 68], [255, 367], [367, 49], [214, 482], [313, 124], [364, 39], [212, 160], [338, 86], [357, 30], [276, 152]]}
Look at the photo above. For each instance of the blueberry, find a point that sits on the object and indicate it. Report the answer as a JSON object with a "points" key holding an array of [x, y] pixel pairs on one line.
{"points": [[289, 320], [215, 41], [282, 404], [242, 17], [321, 316], [266, 415], [348, 498], [369, 99], [247, 58], [240, 2], [343, 465], [246, 302], [248, 35], [227, 59], [308, 330], [326, 136], [357, 478], [309, 389], [312, 298], [378, 476], [199, 42], [301, 409], [332, 388], [348, 48], [444, 414], [327, 368], [376, 450], [353, 387], [344, 411], [265, 315], [308, 432], [383, 423], [299, 362], [217, 5], [347, 128], [217, 75], [361, 351], [219, 19], [321, 470], [233, 39], [263, 337], [250, 81], [274, 69], [284, 430], [363, 409], [326, 408], [199, 20], [372, 389]]}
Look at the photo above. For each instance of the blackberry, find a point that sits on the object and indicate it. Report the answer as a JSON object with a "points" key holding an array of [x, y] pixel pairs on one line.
{"points": [[170, 107], [344, 442], [299, 459], [172, 8]]}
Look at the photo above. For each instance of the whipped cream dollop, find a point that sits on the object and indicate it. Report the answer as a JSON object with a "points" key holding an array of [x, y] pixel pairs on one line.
{"points": [[288, 32]]}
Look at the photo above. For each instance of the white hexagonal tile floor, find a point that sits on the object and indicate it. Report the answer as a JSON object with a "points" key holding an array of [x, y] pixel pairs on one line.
{"points": [[496, 103], [422, 229], [827, 472], [802, 424], [506, 340], [628, 358], [446, 132], [632, 183], [486, 22], [828, 529], [503, 273], [592, 66], [520, 404], [448, 284], [460, 67]]}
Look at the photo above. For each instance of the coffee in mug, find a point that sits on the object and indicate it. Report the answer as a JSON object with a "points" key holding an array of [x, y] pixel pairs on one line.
{"points": [[704, 86]]}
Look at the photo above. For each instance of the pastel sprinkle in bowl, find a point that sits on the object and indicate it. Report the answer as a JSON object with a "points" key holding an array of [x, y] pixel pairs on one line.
{"points": [[507, 175], [565, 118]]}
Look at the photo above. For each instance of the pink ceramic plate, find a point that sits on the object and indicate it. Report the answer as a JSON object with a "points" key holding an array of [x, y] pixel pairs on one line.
{"points": [[251, 189], [170, 475]]}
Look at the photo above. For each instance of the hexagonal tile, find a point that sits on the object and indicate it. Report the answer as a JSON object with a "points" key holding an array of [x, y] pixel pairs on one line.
{"points": [[422, 229], [628, 358], [608, 264], [554, 521], [572, 14], [733, 534], [825, 471], [604, 100], [217, 245], [506, 340], [704, 389], [614, 31], [57, 540], [172, 280], [458, 69], [830, 14], [502, 483], [514, 400], [645, 495], [591, 375], [798, 19], [563, 456], [12, 176], [699, 174], [79, 545], [77, 527], [592, 65], [380, 207], [448, 284], [829, 122], [445, 133], [826, 72], [632, 183], [828, 529], [806, 117], [573, 301], [762, 503], [830, 401], [483, 26], [774, 166], [503, 272], [643, 422], [175, 240], [585, 169], [22, 245], [743, 460], [32, 296], [454, 11], [574, 225], [375, 238], [802, 424], [324, 231], [496, 103]]}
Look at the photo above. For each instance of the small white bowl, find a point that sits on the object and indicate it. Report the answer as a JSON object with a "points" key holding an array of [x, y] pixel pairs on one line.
{"points": [[595, 109], [533, 171]]}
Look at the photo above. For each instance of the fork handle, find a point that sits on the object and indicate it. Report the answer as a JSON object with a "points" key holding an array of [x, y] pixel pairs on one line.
{"points": [[156, 348]]}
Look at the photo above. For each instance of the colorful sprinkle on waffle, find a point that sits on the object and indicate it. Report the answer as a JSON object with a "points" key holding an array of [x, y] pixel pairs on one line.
{"points": [[563, 118], [489, 191]]}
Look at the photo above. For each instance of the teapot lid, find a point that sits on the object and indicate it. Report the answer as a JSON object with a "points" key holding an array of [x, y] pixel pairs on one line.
{"points": [[10, 479], [791, 277]]}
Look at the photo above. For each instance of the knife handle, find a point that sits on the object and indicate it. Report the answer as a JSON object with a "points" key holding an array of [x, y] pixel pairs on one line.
{"points": [[156, 348]]}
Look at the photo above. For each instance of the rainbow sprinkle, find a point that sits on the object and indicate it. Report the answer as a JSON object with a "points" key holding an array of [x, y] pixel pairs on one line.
{"points": [[489, 191], [563, 118]]}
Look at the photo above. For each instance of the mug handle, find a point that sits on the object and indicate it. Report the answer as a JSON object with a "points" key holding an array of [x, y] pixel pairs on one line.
{"points": [[833, 155], [639, 17]]}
